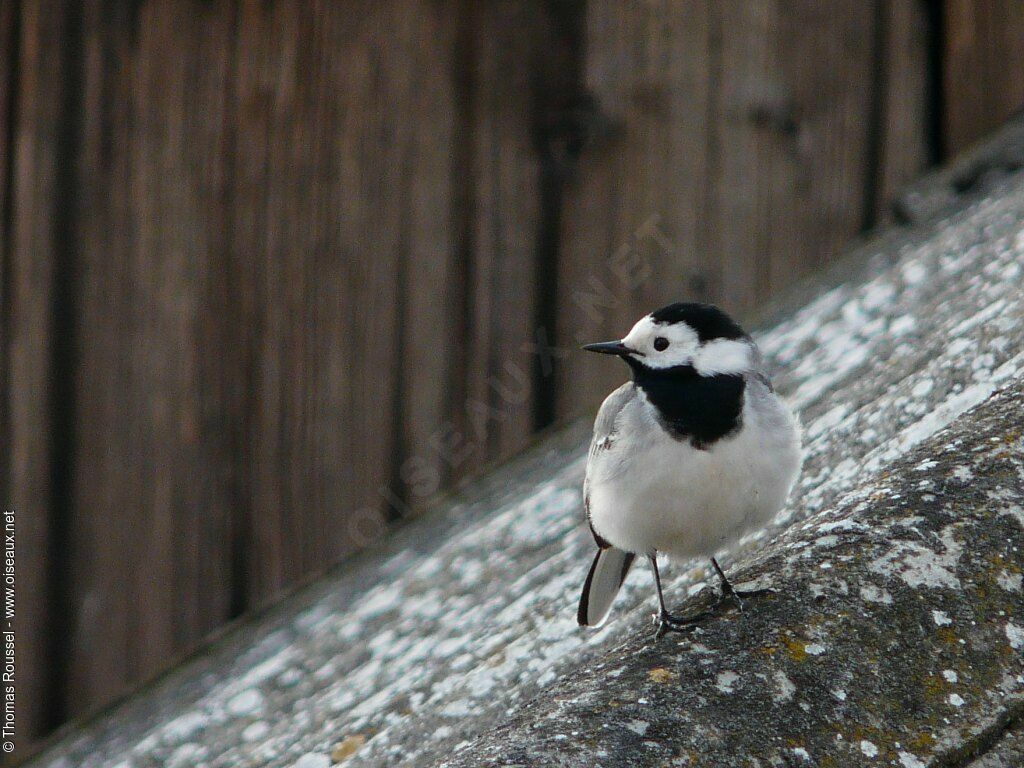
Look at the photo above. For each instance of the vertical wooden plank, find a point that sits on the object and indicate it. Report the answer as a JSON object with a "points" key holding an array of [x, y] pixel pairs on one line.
{"points": [[751, 105], [180, 366], [390, 131], [152, 498], [905, 144], [275, 170], [797, 101], [305, 278], [323, 452], [108, 494], [254, 108], [983, 68], [345, 124], [506, 188], [29, 290], [427, 454]]}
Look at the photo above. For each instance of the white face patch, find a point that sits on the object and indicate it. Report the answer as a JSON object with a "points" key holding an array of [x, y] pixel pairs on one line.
{"points": [[682, 343], [722, 356], [716, 356]]}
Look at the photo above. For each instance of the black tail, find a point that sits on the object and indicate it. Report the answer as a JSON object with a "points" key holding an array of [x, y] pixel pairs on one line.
{"points": [[606, 575]]}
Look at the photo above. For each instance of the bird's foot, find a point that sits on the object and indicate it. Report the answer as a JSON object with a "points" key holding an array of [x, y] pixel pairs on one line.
{"points": [[667, 622], [728, 593], [739, 595], [736, 595]]}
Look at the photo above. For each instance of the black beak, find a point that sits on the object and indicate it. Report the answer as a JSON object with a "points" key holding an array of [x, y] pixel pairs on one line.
{"points": [[609, 348]]}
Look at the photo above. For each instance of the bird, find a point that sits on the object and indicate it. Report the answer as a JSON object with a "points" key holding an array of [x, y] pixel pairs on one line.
{"points": [[694, 452]]}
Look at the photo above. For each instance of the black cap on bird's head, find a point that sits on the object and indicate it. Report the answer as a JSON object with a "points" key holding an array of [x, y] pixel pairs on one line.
{"points": [[697, 336], [707, 320]]}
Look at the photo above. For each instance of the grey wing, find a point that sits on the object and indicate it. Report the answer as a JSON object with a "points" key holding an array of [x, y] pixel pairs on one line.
{"points": [[604, 424], [610, 565], [604, 438], [758, 370]]}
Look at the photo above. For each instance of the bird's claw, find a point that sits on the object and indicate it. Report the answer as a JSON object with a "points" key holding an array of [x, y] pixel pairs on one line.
{"points": [[668, 623], [728, 593], [756, 592], [739, 595]]}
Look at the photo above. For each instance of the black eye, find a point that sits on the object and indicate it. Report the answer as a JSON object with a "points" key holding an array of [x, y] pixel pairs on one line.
{"points": [[661, 343]]}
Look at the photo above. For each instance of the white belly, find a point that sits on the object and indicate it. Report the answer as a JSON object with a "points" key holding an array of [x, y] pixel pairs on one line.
{"points": [[670, 497]]}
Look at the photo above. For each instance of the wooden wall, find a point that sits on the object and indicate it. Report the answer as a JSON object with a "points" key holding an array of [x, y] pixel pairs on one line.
{"points": [[982, 68], [262, 260]]}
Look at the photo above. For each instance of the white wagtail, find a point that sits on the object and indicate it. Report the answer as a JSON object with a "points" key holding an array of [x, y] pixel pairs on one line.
{"points": [[696, 451]]}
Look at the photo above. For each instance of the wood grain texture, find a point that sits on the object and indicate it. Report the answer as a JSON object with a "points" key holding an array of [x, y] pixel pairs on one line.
{"points": [[427, 350], [346, 118], [982, 68], [35, 247], [152, 453], [906, 93], [286, 180], [797, 103], [502, 291]]}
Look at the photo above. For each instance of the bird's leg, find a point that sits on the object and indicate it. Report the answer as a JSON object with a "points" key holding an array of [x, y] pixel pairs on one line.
{"points": [[735, 594], [727, 588], [668, 622]]}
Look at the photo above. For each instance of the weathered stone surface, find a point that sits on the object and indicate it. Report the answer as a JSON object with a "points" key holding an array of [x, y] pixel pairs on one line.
{"points": [[1007, 752], [896, 636], [456, 640], [974, 174]]}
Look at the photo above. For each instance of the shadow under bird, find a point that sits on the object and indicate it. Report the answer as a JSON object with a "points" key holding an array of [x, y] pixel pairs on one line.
{"points": [[691, 455]]}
